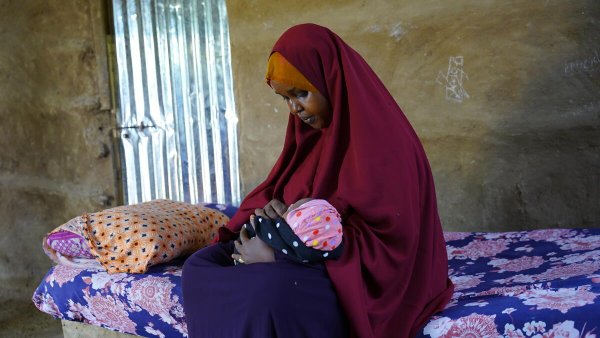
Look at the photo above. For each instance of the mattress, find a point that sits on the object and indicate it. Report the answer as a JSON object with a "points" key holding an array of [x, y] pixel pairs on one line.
{"points": [[541, 283]]}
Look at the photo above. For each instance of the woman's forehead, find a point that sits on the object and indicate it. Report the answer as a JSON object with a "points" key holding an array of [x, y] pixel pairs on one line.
{"points": [[281, 88]]}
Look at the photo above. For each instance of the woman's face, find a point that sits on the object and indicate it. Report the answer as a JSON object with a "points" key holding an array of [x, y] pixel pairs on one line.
{"points": [[311, 107]]}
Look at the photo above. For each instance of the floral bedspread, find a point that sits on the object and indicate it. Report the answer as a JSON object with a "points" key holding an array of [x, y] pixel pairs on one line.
{"points": [[542, 283]]}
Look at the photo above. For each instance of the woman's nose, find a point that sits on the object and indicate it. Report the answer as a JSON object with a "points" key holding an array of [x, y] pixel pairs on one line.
{"points": [[294, 107]]}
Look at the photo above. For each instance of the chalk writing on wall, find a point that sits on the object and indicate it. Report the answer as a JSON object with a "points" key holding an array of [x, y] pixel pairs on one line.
{"points": [[397, 32], [453, 80], [586, 109], [584, 65]]}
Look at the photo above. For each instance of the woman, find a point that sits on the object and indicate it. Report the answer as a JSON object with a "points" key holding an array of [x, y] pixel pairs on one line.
{"points": [[349, 143]]}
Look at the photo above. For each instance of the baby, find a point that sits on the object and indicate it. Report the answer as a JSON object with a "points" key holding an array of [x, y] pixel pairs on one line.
{"points": [[311, 231]]}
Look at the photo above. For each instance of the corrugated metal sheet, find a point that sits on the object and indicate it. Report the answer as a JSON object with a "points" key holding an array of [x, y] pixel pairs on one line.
{"points": [[177, 121]]}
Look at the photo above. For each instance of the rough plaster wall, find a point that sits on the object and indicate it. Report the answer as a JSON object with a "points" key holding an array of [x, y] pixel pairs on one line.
{"points": [[56, 159], [520, 152]]}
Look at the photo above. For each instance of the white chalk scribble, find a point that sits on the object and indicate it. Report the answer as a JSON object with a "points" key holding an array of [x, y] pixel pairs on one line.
{"points": [[588, 64], [397, 32], [453, 80]]}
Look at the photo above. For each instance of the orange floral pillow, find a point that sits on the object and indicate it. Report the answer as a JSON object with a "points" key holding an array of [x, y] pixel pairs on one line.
{"points": [[132, 238]]}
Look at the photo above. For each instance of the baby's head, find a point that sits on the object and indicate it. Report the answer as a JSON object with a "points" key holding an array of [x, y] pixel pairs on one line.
{"points": [[316, 222]]}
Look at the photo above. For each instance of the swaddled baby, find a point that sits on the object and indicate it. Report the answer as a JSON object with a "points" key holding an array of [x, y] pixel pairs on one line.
{"points": [[311, 231]]}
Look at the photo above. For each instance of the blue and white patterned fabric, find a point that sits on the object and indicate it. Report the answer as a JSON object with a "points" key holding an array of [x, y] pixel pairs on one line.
{"points": [[542, 283]]}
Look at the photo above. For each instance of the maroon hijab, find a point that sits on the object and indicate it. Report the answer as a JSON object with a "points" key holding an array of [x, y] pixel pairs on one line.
{"points": [[370, 165]]}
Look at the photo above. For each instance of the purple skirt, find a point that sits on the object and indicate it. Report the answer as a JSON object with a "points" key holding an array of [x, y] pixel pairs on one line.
{"points": [[261, 300]]}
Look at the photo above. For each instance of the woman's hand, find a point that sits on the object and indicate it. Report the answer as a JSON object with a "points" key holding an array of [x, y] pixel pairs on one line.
{"points": [[252, 250], [272, 210]]}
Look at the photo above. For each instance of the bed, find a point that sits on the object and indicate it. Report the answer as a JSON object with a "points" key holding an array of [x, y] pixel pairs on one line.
{"points": [[540, 283]]}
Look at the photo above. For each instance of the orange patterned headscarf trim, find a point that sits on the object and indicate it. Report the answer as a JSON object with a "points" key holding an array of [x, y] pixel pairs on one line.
{"points": [[280, 70]]}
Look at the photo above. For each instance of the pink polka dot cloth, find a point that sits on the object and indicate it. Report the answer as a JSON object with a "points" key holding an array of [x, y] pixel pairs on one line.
{"points": [[317, 223]]}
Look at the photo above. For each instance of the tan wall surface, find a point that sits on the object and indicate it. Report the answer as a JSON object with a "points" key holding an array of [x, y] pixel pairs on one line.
{"points": [[56, 159], [520, 152]]}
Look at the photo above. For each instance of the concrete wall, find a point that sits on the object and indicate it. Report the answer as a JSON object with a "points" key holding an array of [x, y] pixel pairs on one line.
{"points": [[56, 159], [519, 150]]}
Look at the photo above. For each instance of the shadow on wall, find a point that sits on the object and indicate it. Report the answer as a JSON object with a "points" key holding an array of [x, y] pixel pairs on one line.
{"points": [[534, 160], [553, 130]]}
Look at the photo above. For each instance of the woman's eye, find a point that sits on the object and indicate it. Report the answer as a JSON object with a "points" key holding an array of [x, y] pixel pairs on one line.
{"points": [[301, 93]]}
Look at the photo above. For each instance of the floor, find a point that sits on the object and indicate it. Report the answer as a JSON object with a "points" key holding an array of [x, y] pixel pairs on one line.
{"points": [[79, 330], [20, 319]]}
